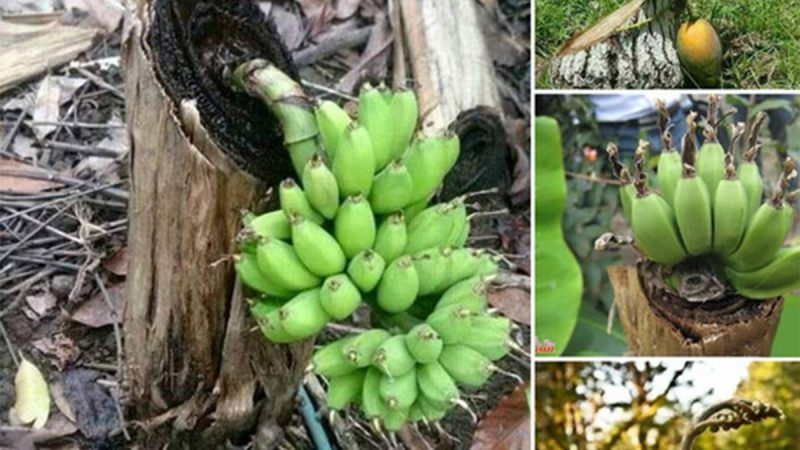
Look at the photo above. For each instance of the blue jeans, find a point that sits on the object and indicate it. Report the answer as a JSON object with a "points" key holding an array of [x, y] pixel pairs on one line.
{"points": [[627, 134]]}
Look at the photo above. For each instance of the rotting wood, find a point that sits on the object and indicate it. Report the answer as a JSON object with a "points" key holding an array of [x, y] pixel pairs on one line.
{"points": [[658, 323], [195, 363], [642, 57]]}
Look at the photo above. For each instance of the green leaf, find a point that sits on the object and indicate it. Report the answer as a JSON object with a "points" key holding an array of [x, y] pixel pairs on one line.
{"points": [[787, 338], [591, 337], [559, 282], [770, 104]]}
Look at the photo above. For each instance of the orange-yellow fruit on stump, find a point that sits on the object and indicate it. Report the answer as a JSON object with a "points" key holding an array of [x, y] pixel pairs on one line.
{"points": [[700, 52]]}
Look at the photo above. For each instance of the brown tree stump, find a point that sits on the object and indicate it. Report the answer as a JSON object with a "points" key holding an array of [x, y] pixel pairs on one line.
{"points": [[640, 58], [197, 373], [659, 323]]}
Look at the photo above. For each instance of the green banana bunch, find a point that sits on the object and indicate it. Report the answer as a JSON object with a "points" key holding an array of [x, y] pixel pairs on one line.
{"points": [[414, 376], [713, 210], [357, 230]]}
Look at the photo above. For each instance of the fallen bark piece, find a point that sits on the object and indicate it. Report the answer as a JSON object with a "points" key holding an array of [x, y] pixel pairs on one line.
{"points": [[659, 323], [26, 59], [636, 53]]}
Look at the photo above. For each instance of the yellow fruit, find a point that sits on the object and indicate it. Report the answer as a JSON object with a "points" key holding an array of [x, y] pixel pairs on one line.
{"points": [[700, 51]]}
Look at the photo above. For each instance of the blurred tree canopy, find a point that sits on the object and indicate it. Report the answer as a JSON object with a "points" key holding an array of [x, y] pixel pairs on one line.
{"points": [[633, 406]]}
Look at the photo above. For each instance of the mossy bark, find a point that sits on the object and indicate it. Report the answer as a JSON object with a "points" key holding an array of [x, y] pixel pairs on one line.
{"points": [[643, 57]]}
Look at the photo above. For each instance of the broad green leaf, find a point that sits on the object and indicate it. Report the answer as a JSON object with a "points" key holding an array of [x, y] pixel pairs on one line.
{"points": [[558, 276], [787, 338], [591, 338], [32, 395]]}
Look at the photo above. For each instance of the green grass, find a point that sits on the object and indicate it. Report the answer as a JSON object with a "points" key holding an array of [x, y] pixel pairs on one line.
{"points": [[760, 38]]}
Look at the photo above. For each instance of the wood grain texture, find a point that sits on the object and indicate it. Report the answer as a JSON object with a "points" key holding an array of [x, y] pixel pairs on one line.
{"points": [[641, 58], [44, 47], [451, 65], [657, 326], [193, 363]]}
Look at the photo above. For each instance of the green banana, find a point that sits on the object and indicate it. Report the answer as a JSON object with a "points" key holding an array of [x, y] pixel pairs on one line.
{"points": [[653, 224], [375, 115], [489, 336], [711, 166], [366, 269], [303, 316], [460, 232], [432, 267], [293, 201], [392, 357], [330, 361], [669, 172], [399, 285], [332, 120], [316, 248], [264, 305], [626, 195], [354, 164], [339, 296], [360, 349], [391, 188], [415, 413], [780, 276], [762, 239], [345, 389], [399, 392], [411, 211], [371, 402], [693, 214], [750, 177], [431, 228], [354, 226], [710, 161], [465, 365], [394, 419], [428, 160], [404, 111], [470, 293], [452, 323], [278, 261], [247, 268], [436, 385], [464, 263], [391, 237], [730, 212], [320, 187], [272, 328], [430, 411], [424, 343], [274, 224]]}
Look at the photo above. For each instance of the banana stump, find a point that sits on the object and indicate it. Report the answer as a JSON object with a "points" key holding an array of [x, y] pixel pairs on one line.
{"points": [[196, 374], [659, 323]]}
